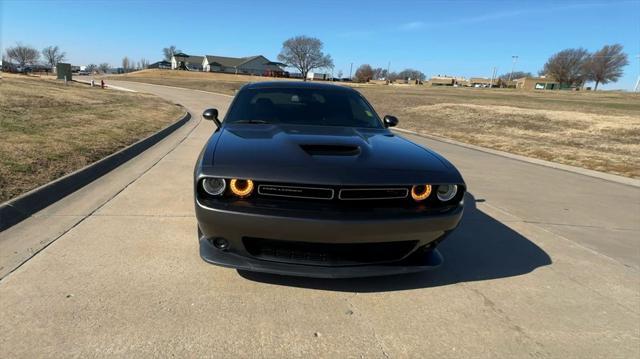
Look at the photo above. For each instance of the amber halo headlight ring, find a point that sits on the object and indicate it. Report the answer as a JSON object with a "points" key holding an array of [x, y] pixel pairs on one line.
{"points": [[241, 187], [420, 192], [446, 192], [214, 186]]}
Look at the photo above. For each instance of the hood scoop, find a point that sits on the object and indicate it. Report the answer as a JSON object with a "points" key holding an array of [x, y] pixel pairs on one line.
{"points": [[331, 150]]}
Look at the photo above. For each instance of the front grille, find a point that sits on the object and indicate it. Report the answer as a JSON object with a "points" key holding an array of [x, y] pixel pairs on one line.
{"points": [[296, 191], [327, 254], [355, 194], [331, 192]]}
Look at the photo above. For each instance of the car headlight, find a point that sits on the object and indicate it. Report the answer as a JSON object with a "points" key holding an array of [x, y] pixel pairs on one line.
{"points": [[241, 188], [214, 186], [447, 192], [420, 192]]}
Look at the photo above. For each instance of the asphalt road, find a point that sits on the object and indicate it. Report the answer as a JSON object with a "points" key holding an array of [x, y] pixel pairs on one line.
{"points": [[545, 264]]}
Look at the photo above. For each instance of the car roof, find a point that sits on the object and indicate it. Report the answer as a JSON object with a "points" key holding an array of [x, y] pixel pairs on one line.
{"points": [[294, 85]]}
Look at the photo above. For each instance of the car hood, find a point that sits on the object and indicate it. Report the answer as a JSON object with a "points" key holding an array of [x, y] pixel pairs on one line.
{"points": [[322, 154]]}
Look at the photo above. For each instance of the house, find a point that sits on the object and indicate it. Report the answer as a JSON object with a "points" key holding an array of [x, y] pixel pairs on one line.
{"points": [[481, 82], [160, 65], [252, 65], [441, 81], [537, 83], [317, 76], [182, 61]]}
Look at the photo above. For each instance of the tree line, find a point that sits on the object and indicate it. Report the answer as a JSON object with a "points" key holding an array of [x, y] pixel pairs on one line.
{"points": [[570, 67], [365, 72], [575, 67], [24, 56]]}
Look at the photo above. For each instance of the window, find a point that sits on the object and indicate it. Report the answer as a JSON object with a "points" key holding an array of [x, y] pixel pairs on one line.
{"points": [[322, 107]]}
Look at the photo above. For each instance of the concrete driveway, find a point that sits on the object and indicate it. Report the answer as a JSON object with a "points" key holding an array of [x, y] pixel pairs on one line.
{"points": [[545, 264]]}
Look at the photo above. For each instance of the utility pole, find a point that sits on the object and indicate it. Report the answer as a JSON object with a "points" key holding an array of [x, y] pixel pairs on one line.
{"points": [[350, 71], [514, 59], [387, 77]]}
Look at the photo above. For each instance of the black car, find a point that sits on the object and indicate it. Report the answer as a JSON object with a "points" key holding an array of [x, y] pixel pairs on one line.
{"points": [[305, 179]]}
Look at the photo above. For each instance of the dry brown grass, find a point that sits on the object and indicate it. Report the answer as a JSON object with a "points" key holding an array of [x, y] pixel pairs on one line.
{"points": [[595, 130], [48, 130], [206, 81], [599, 131]]}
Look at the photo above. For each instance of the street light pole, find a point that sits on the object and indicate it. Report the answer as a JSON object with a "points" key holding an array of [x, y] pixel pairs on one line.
{"points": [[514, 58], [637, 87]]}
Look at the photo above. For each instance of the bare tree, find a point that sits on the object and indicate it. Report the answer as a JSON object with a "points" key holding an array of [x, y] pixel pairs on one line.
{"points": [[126, 64], [168, 52], [305, 54], [53, 55], [379, 73], [364, 73], [568, 66], [104, 67], [144, 63], [339, 74], [91, 68], [23, 55], [605, 65], [516, 75], [412, 74]]}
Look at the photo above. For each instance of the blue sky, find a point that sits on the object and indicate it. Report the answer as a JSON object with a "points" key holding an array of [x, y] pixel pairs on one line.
{"points": [[464, 38]]}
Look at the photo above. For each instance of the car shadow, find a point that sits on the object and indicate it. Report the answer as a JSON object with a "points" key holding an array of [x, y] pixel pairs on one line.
{"points": [[480, 248]]}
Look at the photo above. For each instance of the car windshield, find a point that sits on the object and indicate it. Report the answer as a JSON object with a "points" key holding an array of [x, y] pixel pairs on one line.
{"points": [[323, 107]]}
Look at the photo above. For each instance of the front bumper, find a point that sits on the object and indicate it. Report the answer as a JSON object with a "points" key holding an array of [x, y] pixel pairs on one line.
{"points": [[235, 225]]}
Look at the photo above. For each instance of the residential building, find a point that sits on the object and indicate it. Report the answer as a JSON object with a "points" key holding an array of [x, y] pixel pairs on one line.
{"points": [[252, 65], [481, 82], [441, 81], [160, 65], [182, 61], [537, 83], [318, 76]]}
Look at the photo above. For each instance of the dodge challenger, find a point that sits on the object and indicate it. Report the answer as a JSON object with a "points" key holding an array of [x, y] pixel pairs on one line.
{"points": [[305, 179]]}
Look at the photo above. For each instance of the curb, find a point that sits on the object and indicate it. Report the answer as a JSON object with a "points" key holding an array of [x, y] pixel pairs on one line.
{"points": [[25, 205], [578, 170], [106, 86]]}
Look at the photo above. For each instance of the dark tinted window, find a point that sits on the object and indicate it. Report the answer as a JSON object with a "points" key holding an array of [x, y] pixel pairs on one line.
{"points": [[322, 107]]}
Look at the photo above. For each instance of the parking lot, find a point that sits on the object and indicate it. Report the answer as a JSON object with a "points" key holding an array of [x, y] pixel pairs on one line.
{"points": [[545, 264]]}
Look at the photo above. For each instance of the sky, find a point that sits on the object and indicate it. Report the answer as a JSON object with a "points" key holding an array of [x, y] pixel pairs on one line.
{"points": [[461, 38]]}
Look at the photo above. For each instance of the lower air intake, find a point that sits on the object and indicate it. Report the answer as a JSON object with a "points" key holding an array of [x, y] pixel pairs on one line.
{"points": [[327, 254]]}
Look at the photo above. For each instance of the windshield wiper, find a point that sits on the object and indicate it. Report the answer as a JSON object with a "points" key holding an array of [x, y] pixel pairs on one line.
{"points": [[251, 121]]}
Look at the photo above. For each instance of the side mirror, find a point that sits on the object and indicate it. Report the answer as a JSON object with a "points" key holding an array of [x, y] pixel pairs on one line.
{"points": [[211, 114], [390, 121]]}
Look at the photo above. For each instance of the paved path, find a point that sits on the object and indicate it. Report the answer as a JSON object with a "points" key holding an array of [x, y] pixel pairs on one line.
{"points": [[544, 265]]}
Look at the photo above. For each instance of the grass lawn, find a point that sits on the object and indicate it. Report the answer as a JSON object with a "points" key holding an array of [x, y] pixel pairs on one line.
{"points": [[595, 130], [48, 130], [599, 131]]}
